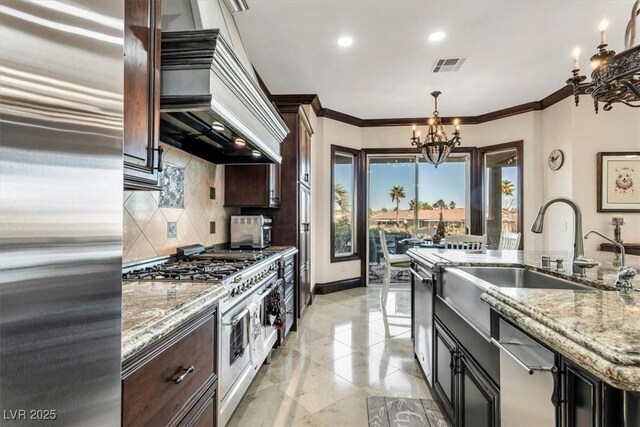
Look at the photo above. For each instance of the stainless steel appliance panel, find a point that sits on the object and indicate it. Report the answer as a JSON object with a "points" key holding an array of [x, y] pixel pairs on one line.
{"points": [[61, 178], [250, 231], [527, 385], [423, 318]]}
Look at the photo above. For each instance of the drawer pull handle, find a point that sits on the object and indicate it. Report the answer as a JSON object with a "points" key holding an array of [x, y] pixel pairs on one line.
{"points": [[186, 372]]}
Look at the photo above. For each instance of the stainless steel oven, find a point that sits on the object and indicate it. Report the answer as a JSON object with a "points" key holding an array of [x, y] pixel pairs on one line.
{"points": [[236, 369]]}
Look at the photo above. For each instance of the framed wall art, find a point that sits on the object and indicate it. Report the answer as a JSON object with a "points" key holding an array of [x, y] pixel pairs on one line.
{"points": [[618, 181]]}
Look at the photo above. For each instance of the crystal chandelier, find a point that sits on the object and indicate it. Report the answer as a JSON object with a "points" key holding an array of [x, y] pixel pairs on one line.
{"points": [[436, 146], [615, 77]]}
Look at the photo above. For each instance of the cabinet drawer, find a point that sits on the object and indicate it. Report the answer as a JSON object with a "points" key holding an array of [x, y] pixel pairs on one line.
{"points": [[151, 395]]}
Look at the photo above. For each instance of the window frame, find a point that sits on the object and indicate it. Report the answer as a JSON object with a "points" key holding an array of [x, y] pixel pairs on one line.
{"points": [[356, 203], [519, 149]]}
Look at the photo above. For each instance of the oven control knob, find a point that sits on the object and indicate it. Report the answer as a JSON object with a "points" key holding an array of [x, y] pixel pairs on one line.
{"points": [[233, 292]]}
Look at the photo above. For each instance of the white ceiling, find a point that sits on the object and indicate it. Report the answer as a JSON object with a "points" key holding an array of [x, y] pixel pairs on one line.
{"points": [[518, 51]]}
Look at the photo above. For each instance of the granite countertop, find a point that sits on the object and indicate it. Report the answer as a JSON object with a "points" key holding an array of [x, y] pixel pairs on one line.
{"points": [[598, 329], [152, 309]]}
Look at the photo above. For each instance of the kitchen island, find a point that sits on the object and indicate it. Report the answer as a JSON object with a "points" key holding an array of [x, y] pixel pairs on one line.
{"points": [[592, 328]]}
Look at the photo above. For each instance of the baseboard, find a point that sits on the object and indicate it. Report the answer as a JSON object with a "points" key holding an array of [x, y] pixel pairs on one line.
{"points": [[339, 285]]}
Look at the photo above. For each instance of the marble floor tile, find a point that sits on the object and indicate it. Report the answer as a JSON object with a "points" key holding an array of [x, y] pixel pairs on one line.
{"points": [[358, 337], [360, 369], [391, 326], [324, 350], [318, 388], [268, 408], [400, 384], [286, 364], [349, 411]]}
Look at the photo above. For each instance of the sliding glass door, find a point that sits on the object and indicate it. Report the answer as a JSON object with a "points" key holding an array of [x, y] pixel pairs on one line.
{"points": [[407, 197]]}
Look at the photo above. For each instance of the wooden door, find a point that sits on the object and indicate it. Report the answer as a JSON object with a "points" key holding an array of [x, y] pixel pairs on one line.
{"points": [[477, 396], [581, 402], [142, 157], [444, 368]]}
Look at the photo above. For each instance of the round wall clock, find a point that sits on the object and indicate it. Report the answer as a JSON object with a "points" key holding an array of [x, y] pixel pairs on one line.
{"points": [[556, 159]]}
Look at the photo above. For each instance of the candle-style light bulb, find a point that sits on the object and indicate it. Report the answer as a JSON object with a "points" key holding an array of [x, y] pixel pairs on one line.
{"points": [[576, 57], [604, 24], [418, 134], [414, 131], [456, 122]]}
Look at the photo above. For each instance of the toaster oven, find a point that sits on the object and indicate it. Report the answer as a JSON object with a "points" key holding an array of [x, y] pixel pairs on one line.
{"points": [[250, 231]]}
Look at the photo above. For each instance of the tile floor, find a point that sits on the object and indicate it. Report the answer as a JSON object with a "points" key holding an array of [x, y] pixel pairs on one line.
{"points": [[347, 347]]}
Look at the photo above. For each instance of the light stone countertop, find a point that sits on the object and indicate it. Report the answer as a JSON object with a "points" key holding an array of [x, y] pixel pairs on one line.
{"points": [[152, 309], [598, 329]]}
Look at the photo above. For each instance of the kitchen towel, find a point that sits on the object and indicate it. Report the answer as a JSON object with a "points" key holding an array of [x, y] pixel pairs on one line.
{"points": [[256, 332], [276, 308]]}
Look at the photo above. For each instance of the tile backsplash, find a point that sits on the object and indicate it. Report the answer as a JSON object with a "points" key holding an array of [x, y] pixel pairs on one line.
{"points": [[146, 224]]}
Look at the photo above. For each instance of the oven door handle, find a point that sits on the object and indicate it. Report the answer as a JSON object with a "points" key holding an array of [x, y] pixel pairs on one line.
{"points": [[267, 289], [237, 318]]}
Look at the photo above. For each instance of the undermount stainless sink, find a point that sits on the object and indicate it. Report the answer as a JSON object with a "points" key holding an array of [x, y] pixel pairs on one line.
{"points": [[509, 277], [462, 287]]}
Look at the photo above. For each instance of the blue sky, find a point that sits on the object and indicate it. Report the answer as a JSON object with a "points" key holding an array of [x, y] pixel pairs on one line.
{"points": [[446, 182]]}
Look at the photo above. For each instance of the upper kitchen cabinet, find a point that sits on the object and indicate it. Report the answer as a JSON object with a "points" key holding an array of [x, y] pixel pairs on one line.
{"points": [[142, 155], [263, 181]]}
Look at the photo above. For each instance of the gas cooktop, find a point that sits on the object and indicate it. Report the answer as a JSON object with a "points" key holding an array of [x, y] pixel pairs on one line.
{"points": [[193, 263]]}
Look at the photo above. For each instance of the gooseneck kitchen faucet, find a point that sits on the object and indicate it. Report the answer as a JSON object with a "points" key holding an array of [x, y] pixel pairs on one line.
{"points": [[580, 263]]}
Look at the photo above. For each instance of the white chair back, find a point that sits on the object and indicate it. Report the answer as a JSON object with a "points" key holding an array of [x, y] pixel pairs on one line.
{"points": [[509, 241], [383, 245], [467, 241]]}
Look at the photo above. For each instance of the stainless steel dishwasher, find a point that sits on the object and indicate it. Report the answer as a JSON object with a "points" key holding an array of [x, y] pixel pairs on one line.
{"points": [[423, 294], [529, 388]]}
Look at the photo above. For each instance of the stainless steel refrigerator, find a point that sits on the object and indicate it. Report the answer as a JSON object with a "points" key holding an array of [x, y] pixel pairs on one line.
{"points": [[61, 87]]}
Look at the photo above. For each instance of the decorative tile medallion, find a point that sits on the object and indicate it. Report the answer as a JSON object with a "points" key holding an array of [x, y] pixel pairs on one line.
{"points": [[172, 183]]}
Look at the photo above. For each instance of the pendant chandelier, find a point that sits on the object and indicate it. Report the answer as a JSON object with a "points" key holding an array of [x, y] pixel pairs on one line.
{"points": [[436, 146], [615, 77]]}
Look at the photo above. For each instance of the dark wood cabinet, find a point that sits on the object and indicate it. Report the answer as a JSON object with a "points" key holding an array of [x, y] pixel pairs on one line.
{"points": [[581, 403], [477, 395], [142, 154], [444, 369], [292, 221], [467, 393], [173, 382], [252, 186]]}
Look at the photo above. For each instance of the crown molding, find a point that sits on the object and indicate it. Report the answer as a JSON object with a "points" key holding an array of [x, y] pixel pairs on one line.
{"points": [[291, 100]]}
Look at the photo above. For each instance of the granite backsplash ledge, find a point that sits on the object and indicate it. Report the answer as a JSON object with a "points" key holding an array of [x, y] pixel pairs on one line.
{"points": [[156, 223]]}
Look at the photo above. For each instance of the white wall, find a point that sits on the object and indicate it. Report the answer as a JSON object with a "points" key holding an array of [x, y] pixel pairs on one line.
{"points": [[576, 131]]}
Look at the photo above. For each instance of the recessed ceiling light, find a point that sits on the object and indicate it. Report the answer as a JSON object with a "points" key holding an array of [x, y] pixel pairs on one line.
{"points": [[345, 41], [256, 153], [437, 36], [239, 141]]}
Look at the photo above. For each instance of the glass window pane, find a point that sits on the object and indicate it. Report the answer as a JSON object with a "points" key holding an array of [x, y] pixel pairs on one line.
{"points": [[445, 191], [391, 197], [344, 193], [501, 194]]}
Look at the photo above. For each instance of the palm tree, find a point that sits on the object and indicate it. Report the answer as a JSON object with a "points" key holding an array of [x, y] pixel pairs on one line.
{"points": [[507, 187], [423, 206], [341, 196], [440, 204], [397, 194], [452, 205]]}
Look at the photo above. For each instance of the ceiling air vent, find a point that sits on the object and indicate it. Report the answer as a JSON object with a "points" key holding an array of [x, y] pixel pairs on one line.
{"points": [[445, 65]]}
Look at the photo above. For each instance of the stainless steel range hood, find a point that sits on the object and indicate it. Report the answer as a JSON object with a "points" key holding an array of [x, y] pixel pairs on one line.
{"points": [[211, 105]]}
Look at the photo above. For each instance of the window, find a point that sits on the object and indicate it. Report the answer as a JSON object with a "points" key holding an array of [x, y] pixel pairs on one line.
{"points": [[502, 190], [344, 196]]}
